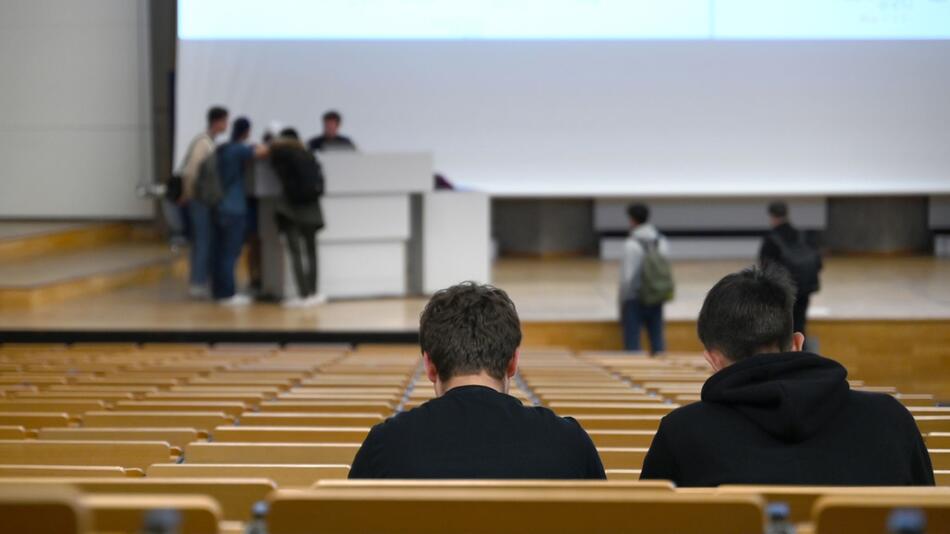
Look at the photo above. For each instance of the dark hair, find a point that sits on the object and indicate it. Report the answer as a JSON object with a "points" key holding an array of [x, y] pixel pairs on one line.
{"points": [[640, 213], [778, 209], [333, 116], [240, 128], [469, 328], [289, 132], [216, 113], [749, 312]]}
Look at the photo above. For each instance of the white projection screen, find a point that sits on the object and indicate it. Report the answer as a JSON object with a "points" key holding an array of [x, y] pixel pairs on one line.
{"points": [[596, 97]]}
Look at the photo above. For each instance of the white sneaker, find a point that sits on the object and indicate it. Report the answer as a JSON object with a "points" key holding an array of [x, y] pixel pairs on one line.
{"points": [[198, 292], [236, 301], [293, 302], [316, 300]]}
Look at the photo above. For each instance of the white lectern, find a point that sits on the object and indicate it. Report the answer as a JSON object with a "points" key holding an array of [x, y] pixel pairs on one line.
{"points": [[386, 233]]}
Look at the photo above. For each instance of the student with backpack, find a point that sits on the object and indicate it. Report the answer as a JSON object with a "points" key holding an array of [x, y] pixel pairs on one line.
{"points": [[181, 190], [646, 281], [786, 246], [299, 216]]}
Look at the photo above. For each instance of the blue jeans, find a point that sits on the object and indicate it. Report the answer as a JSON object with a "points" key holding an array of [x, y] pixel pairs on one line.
{"points": [[229, 240], [633, 317], [202, 230]]}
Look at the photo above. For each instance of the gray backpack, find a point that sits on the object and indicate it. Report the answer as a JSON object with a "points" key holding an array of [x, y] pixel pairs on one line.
{"points": [[208, 182], [656, 275]]}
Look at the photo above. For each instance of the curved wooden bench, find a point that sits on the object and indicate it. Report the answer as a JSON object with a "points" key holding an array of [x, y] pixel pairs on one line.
{"points": [[868, 513], [139, 454], [49, 509], [203, 421], [176, 437], [272, 453], [284, 475], [320, 419], [278, 434], [123, 513], [511, 511]]}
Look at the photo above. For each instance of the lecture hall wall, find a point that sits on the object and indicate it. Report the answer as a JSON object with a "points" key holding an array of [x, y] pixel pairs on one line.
{"points": [[75, 131]]}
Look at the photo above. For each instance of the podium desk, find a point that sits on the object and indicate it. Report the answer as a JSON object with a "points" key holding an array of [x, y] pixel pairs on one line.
{"points": [[386, 233]]}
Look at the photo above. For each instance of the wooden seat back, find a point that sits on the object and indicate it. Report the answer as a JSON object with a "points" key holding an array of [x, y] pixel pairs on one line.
{"points": [[271, 453], [34, 420], [607, 408], [466, 484], [848, 513], [248, 398], [230, 408], [125, 513], [176, 437], [278, 434], [50, 510], [138, 454], [203, 421], [616, 422], [801, 499], [67, 406], [623, 474], [284, 475], [622, 457], [12, 432], [622, 438], [933, 423], [516, 510], [322, 419], [335, 406], [235, 496], [67, 471], [940, 458], [938, 440]]}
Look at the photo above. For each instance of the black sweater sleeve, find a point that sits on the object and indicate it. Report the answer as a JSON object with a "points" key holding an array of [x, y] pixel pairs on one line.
{"points": [[659, 463], [922, 471], [363, 463], [595, 468]]}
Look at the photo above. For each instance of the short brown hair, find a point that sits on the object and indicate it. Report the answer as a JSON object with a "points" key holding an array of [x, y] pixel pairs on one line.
{"points": [[469, 328]]}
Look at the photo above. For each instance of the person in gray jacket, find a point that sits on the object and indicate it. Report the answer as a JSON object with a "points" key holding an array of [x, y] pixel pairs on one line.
{"points": [[634, 314]]}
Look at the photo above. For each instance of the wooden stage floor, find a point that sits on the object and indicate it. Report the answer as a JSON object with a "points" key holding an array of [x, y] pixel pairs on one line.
{"points": [[886, 320], [545, 291]]}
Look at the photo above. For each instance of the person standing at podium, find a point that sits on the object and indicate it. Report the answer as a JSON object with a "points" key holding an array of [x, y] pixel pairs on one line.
{"points": [[230, 213], [299, 215], [331, 138]]}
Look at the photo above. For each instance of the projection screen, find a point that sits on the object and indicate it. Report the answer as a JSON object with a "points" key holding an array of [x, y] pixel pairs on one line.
{"points": [[596, 97]]}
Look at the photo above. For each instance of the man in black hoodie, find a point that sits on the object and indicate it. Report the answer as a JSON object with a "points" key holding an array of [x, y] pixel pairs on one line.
{"points": [[775, 415]]}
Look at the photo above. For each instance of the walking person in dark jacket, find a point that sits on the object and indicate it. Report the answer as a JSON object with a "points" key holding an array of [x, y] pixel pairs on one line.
{"points": [[785, 245], [299, 216], [775, 415]]}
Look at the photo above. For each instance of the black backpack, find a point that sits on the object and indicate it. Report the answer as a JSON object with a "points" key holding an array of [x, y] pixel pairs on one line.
{"points": [[299, 173], [802, 261]]}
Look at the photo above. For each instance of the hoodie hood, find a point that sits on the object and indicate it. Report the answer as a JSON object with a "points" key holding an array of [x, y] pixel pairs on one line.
{"points": [[645, 231], [790, 395]]}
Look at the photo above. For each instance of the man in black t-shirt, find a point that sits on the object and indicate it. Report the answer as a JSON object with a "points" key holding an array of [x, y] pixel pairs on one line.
{"points": [[331, 138], [470, 335]]}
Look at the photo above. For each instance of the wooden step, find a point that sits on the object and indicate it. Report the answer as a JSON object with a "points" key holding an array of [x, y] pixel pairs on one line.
{"points": [[23, 240], [55, 276]]}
